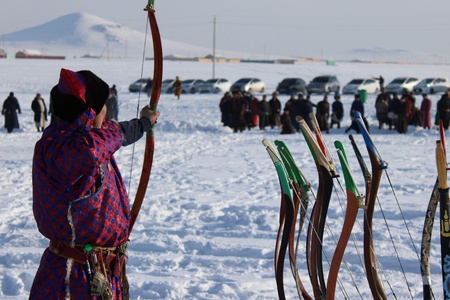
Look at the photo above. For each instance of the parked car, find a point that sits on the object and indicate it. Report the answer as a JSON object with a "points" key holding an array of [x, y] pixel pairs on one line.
{"points": [[292, 86], [371, 86], [324, 84], [191, 86], [432, 86], [401, 85], [139, 85], [166, 86], [251, 85], [215, 85]]}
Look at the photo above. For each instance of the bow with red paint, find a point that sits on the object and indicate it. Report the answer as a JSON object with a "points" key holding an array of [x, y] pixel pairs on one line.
{"points": [[154, 98]]}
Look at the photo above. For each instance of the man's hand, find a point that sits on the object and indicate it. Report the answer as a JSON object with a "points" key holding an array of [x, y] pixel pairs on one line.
{"points": [[152, 115]]}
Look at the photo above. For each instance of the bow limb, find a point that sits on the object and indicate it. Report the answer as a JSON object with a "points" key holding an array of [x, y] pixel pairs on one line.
{"points": [[430, 215], [316, 226], [286, 218], [353, 204], [372, 185], [441, 163], [154, 98], [300, 197]]}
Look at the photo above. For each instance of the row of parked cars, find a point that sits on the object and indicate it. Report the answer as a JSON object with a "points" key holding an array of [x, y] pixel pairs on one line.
{"points": [[213, 85], [319, 85], [330, 84]]}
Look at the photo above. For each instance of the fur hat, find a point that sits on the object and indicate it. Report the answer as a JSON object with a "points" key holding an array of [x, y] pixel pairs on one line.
{"points": [[75, 92]]}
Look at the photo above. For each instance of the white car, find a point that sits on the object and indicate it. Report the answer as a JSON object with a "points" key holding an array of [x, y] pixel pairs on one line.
{"points": [[401, 85], [191, 86], [215, 85], [432, 86], [355, 85], [251, 85], [166, 86]]}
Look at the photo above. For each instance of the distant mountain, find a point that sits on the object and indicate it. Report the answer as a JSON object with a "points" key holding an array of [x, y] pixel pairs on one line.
{"points": [[83, 33], [381, 54]]}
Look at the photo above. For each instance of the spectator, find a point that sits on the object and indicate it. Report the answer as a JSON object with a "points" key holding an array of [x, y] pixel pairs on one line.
{"points": [[264, 113], [381, 81], [304, 108], [357, 106], [286, 123], [393, 111], [425, 112], [254, 114], [10, 108], [443, 109], [176, 85], [111, 105], [224, 109], [237, 112], [275, 108], [323, 114], [292, 105], [382, 110], [404, 114], [337, 112], [40, 112]]}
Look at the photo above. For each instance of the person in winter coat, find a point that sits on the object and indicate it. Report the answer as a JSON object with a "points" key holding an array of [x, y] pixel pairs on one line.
{"points": [[264, 113], [382, 110], [176, 85], [255, 114], [111, 105], [337, 112], [237, 107], [10, 108], [286, 123], [292, 105], [224, 109], [275, 108], [443, 109], [425, 112], [40, 112], [404, 114], [80, 202], [394, 108], [304, 108], [323, 113], [357, 106]]}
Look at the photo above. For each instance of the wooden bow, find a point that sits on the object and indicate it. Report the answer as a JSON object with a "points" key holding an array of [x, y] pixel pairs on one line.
{"points": [[354, 202], [326, 171], [428, 230], [154, 98], [372, 184]]}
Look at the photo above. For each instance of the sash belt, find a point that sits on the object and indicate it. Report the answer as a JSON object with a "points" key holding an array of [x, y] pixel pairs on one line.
{"points": [[78, 253]]}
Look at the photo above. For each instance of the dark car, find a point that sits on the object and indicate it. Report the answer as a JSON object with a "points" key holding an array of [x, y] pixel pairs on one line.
{"points": [[292, 86], [140, 85], [324, 84]]}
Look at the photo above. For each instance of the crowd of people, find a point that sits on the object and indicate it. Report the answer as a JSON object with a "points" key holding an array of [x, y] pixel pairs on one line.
{"points": [[243, 111], [11, 109]]}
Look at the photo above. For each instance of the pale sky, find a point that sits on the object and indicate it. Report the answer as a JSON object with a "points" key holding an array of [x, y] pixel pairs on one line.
{"points": [[285, 27]]}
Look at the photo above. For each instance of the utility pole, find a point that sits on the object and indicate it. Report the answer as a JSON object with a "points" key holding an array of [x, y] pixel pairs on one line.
{"points": [[214, 49]]}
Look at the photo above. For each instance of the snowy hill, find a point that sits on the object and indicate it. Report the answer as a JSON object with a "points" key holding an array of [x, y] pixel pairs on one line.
{"points": [[81, 33], [78, 34]]}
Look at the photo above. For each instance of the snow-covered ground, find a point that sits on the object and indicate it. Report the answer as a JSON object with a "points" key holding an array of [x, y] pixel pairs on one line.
{"points": [[208, 225]]}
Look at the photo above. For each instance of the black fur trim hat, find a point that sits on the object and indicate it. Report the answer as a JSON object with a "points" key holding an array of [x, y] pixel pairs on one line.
{"points": [[75, 92]]}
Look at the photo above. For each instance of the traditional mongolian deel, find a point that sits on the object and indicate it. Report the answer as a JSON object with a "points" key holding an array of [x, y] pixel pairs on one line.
{"points": [[80, 202], [100, 217]]}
